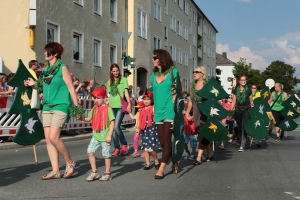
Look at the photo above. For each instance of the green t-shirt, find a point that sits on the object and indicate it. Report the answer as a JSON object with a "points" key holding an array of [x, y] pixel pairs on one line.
{"points": [[277, 106], [102, 135], [56, 95], [162, 94], [114, 101], [247, 100]]}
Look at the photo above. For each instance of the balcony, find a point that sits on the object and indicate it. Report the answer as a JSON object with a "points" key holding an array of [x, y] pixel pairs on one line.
{"points": [[199, 53], [199, 31]]}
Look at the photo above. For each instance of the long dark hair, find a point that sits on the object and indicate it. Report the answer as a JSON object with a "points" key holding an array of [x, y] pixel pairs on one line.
{"points": [[165, 60], [111, 76]]}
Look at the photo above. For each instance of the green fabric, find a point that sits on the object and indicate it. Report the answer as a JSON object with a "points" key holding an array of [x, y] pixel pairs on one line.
{"points": [[247, 101], [291, 103], [259, 111], [31, 130], [99, 135], [56, 94], [213, 109], [288, 125], [114, 101], [213, 90], [277, 106], [289, 113], [265, 93], [163, 105], [213, 130], [256, 127]]}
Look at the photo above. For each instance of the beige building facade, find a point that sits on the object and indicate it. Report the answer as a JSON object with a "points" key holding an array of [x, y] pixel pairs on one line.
{"points": [[86, 30]]}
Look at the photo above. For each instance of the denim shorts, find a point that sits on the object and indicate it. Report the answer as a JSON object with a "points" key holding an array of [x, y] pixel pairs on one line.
{"points": [[165, 120], [95, 144], [192, 138]]}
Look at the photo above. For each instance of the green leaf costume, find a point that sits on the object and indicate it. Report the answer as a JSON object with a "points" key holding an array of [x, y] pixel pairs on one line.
{"points": [[31, 129]]}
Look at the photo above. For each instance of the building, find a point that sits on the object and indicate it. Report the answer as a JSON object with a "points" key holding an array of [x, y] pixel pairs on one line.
{"points": [[86, 29], [226, 76]]}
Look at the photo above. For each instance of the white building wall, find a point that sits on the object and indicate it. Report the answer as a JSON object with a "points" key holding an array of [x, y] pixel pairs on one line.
{"points": [[226, 72]]}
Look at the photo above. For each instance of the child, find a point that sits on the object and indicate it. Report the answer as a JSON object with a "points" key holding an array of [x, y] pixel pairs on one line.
{"points": [[148, 131], [103, 122], [189, 136], [136, 136]]}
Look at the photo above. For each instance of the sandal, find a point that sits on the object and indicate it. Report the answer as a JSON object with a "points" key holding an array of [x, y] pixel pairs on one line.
{"points": [[175, 168], [197, 162], [208, 159], [51, 175], [157, 165], [72, 166], [147, 166]]}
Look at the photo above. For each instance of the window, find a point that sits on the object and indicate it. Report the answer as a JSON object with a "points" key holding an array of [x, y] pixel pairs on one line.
{"points": [[79, 2], [142, 24], [186, 7], [52, 34], [113, 54], [113, 10], [98, 6], [195, 40], [186, 59], [179, 56], [166, 36], [204, 48], [190, 51], [173, 52], [195, 62], [180, 4], [156, 42], [166, 7], [77, 46], [195, 17], [190, 24], [157, 11], [97, 53], [173, 23]]}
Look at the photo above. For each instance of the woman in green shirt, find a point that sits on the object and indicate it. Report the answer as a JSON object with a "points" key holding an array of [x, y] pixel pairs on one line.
{"points": [[161, 80], [58, 90], [276, 99]]}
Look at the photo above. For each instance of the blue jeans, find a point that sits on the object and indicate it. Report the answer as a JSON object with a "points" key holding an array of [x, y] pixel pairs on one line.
{"points": [[118, 135]]}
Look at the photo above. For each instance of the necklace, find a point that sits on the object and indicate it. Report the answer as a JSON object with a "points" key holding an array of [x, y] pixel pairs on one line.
{"points": [[160, 73], [197, 98], [241, 95], [50, 71]]}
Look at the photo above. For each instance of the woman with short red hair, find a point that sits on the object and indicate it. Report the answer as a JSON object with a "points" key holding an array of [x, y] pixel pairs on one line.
{"points": [[58, 93]]}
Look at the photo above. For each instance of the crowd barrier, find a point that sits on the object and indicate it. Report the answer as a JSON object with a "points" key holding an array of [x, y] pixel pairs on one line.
{"points": [[9, 123]]}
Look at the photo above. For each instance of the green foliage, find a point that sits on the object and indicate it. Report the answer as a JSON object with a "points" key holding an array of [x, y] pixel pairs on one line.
{"points": [[281, 73], [77, 111]]}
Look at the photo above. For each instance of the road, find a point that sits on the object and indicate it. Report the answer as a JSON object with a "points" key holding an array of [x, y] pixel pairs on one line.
{"points": [[271, 172]]}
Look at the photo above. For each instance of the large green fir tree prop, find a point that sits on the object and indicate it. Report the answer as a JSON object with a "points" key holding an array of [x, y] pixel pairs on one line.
{"points": [[31, 129], [289, 113], [213, 129]]}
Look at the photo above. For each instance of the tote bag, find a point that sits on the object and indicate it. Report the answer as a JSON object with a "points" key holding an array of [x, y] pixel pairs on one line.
{"points": [[35, 100]]}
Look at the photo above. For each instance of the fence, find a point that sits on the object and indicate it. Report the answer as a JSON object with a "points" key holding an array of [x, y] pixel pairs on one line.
{"points": [[9, 123]]}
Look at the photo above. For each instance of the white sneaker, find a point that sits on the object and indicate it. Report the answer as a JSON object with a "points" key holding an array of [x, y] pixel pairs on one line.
{"points": [[92, 176], [187, 156], [241, 149], [192, 157]]}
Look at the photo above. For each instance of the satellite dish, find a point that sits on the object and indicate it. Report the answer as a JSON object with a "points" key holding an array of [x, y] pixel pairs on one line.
{"points": [[270, 83]]}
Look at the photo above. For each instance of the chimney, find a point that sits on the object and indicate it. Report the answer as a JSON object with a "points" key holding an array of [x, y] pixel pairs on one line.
{"points": [[224, 54]]}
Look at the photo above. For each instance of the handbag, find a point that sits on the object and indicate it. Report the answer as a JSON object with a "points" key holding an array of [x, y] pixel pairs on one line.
{"points": [[124, 104], [173, 87], [35, 100]]}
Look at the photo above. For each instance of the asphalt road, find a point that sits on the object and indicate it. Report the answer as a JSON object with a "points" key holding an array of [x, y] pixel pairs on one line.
{"points": [[271, 172]]}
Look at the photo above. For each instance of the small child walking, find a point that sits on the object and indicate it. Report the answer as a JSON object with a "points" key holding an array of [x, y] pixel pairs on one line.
{"points": [[148, 131], [136, 136], [103, 122], [189, 136]]}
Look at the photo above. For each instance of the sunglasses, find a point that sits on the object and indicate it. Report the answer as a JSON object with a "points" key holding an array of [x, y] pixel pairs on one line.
{"points": [[197, 72], [155, 57]]}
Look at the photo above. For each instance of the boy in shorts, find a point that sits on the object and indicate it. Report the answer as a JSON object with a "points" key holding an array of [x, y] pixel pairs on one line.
{"points": [[103, 122]]}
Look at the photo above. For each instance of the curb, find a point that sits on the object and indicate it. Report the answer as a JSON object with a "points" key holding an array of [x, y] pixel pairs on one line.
{"points": [[65, 138]]}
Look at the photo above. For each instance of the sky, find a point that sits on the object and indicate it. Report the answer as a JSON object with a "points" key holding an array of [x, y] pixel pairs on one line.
{"points": [[261, 31]]}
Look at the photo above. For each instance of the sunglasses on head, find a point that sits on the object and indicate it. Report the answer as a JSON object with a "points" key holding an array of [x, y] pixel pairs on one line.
{"points": [[197, 72], [155, 57]]}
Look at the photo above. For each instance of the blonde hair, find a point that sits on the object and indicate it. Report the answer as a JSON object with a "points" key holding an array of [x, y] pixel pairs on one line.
{"points": [[202, 69], [281, 85]]}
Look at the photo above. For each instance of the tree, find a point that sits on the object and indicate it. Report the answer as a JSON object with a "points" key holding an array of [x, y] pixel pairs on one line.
{"points": [[281, 73], [253, 75]]}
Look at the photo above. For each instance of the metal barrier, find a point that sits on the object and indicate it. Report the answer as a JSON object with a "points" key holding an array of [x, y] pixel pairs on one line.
{"points": [[9, 123]]}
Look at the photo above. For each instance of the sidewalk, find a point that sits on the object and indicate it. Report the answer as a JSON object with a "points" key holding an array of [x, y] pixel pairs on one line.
{"points": [[66, 138]]}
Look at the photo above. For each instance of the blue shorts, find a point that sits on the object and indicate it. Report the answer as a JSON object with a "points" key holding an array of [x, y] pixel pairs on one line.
{"points": [[192, 139], [95, 144]]}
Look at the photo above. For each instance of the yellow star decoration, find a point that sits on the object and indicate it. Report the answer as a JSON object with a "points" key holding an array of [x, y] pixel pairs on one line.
{"points": [[215, 91], [266, 94], [25, 98], [213, 127], [293, 104], [290, 113]]}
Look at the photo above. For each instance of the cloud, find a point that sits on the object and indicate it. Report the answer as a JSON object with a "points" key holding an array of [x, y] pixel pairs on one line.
{"points": [[258, 62]]}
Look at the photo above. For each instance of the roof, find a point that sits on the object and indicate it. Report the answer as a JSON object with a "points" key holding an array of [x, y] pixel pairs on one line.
{"points": [[221, 60]]}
